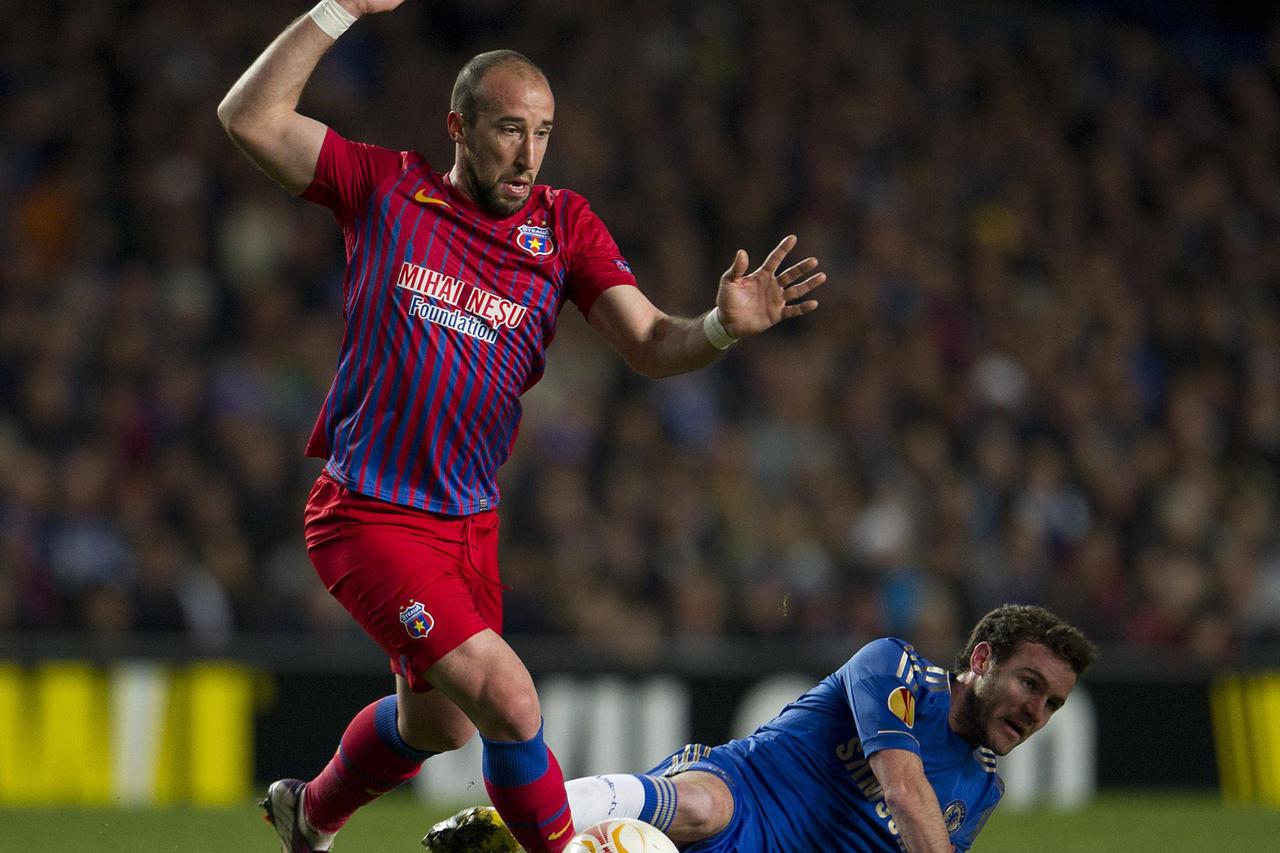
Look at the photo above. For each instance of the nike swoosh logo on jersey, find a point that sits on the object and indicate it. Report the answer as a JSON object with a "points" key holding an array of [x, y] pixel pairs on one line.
{"points": [[421, 196]]}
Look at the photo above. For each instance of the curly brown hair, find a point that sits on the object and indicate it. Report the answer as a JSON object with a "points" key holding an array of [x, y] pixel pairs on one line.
{"points": [[1010, 624]]}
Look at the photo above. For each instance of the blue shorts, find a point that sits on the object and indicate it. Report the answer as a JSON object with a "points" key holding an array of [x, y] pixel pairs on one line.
{"points": [[744, 832]]}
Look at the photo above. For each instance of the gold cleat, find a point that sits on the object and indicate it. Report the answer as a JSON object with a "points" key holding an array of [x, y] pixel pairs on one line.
{"points": [[478, 829]]}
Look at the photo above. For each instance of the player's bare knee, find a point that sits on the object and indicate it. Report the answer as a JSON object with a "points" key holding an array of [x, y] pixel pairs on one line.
{"points": [[521, 717], [510, 714]]}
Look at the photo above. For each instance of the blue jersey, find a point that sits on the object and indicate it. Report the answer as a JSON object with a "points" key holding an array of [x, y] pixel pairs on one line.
{"points": [[802, 780]]}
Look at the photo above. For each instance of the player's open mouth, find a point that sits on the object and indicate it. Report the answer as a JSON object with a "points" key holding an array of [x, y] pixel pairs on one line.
{"points": [[1013, 727], [516, 187]]}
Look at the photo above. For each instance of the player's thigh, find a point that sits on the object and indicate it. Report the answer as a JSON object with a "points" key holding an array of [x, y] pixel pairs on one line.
{"points": [[410, 588], [430, 720], [489, 682]]}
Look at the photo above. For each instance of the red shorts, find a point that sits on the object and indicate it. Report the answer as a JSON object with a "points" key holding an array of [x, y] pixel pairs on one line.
{"points": [[420, 584]]}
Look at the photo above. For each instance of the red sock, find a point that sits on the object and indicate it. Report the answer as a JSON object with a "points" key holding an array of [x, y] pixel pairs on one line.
{"points": [[526, 786], [371, 759]]}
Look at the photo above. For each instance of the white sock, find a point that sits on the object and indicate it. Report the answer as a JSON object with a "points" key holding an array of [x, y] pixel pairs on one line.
{"points": [[596, 798]]}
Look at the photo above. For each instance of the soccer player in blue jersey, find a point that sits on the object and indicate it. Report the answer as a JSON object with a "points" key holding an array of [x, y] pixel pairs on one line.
{"points": [[454, 284], [888, 753]]}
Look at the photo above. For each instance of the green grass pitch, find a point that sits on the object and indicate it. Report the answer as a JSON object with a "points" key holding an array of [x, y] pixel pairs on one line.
{"points": [[1120, 822]]}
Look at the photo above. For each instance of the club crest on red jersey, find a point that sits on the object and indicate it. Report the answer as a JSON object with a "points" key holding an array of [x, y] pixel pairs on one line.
{"points": [[535, 240], [416, 620]]}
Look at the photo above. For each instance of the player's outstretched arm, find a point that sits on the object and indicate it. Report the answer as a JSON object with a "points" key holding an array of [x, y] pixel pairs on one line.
{"points": [[657, 344], [911, 801], [260, 111]]}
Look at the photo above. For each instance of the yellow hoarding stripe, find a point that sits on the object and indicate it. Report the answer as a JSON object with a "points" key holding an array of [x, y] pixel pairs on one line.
{"points": [[67, 738], [1267, 723], [1233, 703], [1259, 747], [73, 735], [170, 785], [1251, 693], [14, 746], [221, 697], [1245, 710]]}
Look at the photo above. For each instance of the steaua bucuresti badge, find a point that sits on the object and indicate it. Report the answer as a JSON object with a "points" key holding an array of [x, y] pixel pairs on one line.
{"points": [[535, 240], [416, 620]]}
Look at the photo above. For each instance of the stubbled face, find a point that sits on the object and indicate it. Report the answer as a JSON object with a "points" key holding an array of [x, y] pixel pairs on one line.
{"points": [[1010, 701], [500, 150]]}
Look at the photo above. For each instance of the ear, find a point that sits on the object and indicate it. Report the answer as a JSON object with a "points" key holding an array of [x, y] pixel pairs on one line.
{"points": [[982, 658], [455, 125]]}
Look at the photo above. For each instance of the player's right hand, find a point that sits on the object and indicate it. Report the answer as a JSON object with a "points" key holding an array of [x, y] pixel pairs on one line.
{"points": [[360, 8]]}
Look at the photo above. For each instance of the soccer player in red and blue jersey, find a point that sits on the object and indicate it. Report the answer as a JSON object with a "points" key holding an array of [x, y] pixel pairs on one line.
{"points": [[889, 753], [453, 287]]}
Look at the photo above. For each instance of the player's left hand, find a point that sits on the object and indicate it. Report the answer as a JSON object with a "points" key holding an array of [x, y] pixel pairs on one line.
{"points": [[749, 304]]}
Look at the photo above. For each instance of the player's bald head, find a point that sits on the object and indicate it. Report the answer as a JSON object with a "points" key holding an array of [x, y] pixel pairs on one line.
{"points": [[471, 96]]}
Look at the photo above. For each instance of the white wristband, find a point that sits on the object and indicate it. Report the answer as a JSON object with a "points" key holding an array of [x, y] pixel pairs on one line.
{"points": [[332, 18], [714, 330]]}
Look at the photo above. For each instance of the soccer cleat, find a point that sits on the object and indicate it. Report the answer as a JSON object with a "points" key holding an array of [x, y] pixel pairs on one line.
{"points": [[282, 808], [475, 830]]}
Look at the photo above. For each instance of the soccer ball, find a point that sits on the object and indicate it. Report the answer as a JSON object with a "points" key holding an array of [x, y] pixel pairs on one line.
{"points": [[620, 835]]}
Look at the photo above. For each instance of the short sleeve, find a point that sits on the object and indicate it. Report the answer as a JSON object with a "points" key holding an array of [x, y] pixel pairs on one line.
{"points": [[882, 684], [596, 264], [347, 173]]}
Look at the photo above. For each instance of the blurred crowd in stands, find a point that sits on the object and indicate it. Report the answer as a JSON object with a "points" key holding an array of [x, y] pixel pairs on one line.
{"points": [[1046, 367]]}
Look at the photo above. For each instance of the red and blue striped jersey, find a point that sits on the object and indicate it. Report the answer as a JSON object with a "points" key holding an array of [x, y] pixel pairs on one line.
{"points": [[448, 315]]}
